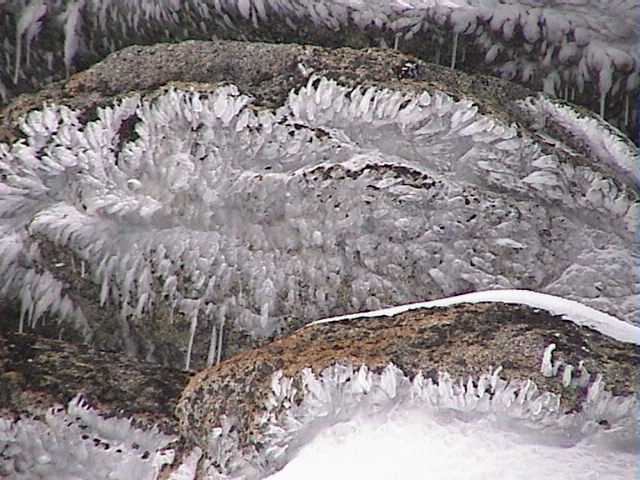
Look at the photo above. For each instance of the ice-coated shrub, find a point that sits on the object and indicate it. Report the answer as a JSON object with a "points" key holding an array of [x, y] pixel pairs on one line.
{"points": [[339, 201]]}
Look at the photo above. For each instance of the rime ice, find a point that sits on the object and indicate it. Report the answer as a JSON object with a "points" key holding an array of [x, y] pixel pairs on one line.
{"points": [[339, 201]]}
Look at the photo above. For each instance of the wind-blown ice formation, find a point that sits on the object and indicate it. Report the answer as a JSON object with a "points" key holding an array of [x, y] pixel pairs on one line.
{"points": [[301, 413], [573, 49], [347, 399], [341, 200], [77, 443], [609, 148]]}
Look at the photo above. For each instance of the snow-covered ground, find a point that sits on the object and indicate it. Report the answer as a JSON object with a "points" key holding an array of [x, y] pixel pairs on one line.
{"points": [[574, 311], [412, 444]]}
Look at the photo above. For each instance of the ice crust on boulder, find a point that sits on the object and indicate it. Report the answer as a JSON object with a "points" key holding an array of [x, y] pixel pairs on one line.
{"points": [[77, 443], [301, 409], [341, 200], [566, 48]]}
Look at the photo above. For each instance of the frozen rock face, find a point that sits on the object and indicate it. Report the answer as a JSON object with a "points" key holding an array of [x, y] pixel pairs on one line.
{"points": [[197, 207], [341, 373], [580, 50], [523, 377]]}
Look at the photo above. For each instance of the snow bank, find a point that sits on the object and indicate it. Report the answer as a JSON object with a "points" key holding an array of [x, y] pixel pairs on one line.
{"points": [[348, 423], [413, 444]]}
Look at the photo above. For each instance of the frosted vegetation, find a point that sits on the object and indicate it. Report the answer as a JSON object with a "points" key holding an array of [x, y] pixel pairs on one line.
{"points": [[580, 50], [340, 201]]}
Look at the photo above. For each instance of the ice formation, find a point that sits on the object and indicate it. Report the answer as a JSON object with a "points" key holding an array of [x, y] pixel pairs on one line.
{"points": [[341, 200], [77, 443], [610, 149], [573, 49], [343, 398], [303, 416]]}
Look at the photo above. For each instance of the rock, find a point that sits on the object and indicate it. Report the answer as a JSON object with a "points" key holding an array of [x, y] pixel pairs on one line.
{"points": [[37, 373], [531, 186], [466, 341], [580, 58]]}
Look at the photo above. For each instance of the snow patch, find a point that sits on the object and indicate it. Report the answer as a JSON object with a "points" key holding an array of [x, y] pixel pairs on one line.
{"points": [[576, 312]]}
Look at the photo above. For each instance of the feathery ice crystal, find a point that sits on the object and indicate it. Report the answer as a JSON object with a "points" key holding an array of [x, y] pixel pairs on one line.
{"points": [[341, 200], [77, 443], [301, 408], [576, 49]]}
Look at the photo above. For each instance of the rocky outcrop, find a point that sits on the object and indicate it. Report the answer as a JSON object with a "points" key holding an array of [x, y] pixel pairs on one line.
{"points": [[37, 373], [532, 196], [252, 413], [583, 52], [243, 397], [465, 182]]}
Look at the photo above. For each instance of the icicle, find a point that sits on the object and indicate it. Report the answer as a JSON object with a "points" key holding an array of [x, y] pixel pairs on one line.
{"points": [[583, 379], [566, 375], [626, 109], [454, 50], [220, 335], [192, 336], [211, 356], [595, 390], [547, 363], [495, 376]]}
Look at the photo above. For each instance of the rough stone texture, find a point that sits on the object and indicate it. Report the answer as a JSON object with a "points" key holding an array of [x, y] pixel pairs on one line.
{"points": [[266, 71], [294, 24], [463, 340], [36, 373]]}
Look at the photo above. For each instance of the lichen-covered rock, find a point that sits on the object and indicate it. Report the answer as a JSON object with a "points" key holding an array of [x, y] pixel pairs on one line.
{"points": [[577, 50], [252, 412]]}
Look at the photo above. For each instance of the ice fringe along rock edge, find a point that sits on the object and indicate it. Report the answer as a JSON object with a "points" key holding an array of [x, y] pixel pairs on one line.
{"points": [[299, 408], [562, 47], [79, 444]]}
